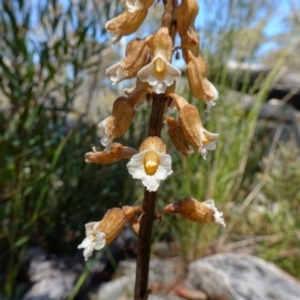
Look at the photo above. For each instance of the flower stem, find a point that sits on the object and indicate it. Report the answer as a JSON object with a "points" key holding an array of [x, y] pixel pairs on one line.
{"points": [[146, 223], [159, 102]]}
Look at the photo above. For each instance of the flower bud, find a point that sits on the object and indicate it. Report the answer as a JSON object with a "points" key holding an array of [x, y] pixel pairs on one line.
{"points": [[116, 153], [117, 123], [186, 14], [136, 57], [193, 210], [194, 131], [125, 24], [151, 164], [200, 87]]}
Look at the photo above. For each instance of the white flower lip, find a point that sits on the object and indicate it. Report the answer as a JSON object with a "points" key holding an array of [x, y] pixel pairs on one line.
{"points": [[211, 144], [116, 73], [95, 240], [217, 214], [151, 182], [158, 81], [215, 93], [105, 140]]}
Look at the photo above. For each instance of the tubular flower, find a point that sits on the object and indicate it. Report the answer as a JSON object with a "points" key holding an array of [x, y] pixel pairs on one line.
{"points": [[194, 131], [99, 234], [136, 56], [177, 137], [193, 210], [151, 164], [117, 123], [136, 5], [160, 73], [126, 23], [186, 14], [116, 153], [200, 87]]}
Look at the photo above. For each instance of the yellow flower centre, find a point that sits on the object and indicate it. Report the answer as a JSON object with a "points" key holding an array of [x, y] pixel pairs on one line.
{"points": [[160, 65], [151, 162], [205, 140]]}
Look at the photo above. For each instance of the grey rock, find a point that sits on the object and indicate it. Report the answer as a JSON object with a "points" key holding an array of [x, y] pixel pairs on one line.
{"points": [[242, 277], [53, 278], [161, 272]]}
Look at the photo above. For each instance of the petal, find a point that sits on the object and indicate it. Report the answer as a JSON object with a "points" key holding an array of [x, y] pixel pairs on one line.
{"points": [[116, 73], [165, 167], [173, 71], [145, 72], [152, 80], [160, 87], [100, 240], [151, 183], [105, 140], [88, 251], [86, 242], [217, 214], [135, 166], [210, 146], [203, 152], [89, 228]]}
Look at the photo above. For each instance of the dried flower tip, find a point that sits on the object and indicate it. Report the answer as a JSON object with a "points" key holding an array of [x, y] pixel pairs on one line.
{"points": [[140, 97], [136, 5], [136, 57], [180, 102], [177, 137], [200, 87], [195, 133], [193, 210], [116, 153], [151, 164], [138, 85], [117, 123], [160, 73], [134, 214], [126, 23]]}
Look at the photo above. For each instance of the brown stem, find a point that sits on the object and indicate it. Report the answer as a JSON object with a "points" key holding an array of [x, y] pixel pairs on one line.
{"points": [[146, 223], [159, 103]]}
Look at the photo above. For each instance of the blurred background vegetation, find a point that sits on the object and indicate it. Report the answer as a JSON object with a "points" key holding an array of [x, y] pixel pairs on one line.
{"points": [[53, 92]]}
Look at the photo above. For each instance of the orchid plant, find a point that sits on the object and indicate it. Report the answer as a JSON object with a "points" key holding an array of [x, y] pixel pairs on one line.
{"points": [[149, 60]]}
